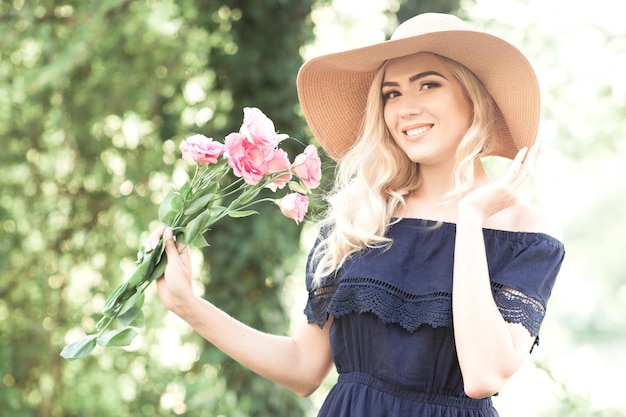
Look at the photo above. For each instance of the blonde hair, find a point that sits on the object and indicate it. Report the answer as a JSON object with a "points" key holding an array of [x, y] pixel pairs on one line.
{"points": [[375, 175]]}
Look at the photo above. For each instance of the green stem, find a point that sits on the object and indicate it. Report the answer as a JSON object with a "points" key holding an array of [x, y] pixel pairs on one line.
{"points": [[108, 323]]}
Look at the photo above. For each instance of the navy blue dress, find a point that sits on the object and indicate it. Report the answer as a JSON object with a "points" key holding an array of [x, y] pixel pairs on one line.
{"points": [[392, 339]]}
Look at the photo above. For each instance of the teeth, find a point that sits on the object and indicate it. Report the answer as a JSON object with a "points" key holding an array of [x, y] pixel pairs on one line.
{"points": [[417, 131]]}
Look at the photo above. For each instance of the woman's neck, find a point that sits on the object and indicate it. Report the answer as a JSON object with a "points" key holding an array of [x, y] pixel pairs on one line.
{"points": [[437, 182], [435, 198]]}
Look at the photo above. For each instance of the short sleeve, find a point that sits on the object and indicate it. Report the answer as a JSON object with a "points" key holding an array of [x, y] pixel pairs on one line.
{"points": [[320, 296], [522, 279]]}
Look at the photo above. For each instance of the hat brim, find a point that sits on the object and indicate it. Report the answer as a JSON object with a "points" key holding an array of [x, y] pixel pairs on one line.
{"points": [[333, 88]]}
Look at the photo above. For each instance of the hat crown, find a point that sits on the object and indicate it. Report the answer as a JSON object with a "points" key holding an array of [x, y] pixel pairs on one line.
{"points": [[428, 23], [333, 89]]}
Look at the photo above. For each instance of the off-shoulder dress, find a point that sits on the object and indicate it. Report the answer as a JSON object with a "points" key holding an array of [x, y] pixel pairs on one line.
{"points": [[392, 339]]}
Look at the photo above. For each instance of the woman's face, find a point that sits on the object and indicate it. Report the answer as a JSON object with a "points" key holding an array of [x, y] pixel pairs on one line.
{"points": [[425, 108]]}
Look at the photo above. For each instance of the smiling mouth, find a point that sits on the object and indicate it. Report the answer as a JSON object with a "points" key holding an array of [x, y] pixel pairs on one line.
{"points": [[417, 131]]}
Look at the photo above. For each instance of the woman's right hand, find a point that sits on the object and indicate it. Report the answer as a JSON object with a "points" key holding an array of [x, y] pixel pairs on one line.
{"points": [[174, 287], [502, 193]]}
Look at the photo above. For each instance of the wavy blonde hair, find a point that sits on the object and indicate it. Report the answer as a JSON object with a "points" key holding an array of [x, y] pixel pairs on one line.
{"points": [[375, 175]]}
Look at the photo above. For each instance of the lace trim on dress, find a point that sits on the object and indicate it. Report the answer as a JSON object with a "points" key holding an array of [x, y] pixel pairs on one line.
{"points": [[517, 307], [388, 302], [393, 305]]}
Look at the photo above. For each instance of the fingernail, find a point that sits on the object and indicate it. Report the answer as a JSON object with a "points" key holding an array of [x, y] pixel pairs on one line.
{"points": [[168, 234]]}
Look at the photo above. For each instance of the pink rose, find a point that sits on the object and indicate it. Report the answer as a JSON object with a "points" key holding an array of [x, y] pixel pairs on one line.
{"points": [[294, 206], [278, 161], [203, 150], [246, 159], [258, 129], [308, 167]]}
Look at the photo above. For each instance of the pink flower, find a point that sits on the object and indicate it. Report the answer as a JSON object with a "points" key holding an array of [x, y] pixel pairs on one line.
{"points": [[294, 206], [258, 129], [246, 159], [203, 150], [278, 161], [308, 167]]}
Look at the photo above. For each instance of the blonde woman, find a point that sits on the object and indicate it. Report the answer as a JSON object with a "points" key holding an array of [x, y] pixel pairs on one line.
{"points": [[429, 280]]}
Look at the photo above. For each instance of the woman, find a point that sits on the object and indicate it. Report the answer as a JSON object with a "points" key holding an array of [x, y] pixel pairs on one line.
{"points": [[429, 280]]}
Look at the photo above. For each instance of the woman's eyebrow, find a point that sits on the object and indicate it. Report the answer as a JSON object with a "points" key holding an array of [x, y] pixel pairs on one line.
{"points": [[414, 78]]}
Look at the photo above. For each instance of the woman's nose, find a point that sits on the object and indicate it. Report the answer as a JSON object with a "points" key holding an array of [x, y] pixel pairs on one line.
{"points": [[410, 108], [409, 105]]}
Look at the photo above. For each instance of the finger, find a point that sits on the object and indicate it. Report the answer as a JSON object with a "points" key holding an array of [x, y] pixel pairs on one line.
{"points": [[526, 169], [154, 239], [170, 243], [509, 178], [536, 153], [171, 251], [176, 251], [519, 158], [183, 252], [531, 158]]}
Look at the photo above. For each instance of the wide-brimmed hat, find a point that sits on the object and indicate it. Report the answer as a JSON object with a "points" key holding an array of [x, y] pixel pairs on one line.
{"points": [[333, 88]]}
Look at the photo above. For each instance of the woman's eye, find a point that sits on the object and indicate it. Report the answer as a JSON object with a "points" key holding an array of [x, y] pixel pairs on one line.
{"points": [[429, 85], [390, 94]]}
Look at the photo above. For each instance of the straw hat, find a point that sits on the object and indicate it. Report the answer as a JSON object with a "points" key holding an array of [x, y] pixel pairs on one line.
{"points": [[333, 88]]}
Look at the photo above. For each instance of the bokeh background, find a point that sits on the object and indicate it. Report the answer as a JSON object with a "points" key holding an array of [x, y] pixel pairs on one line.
{"points": [[95, 97]]}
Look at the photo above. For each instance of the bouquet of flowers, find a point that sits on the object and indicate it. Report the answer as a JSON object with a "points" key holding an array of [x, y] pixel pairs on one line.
{"points": [[254, 156]]}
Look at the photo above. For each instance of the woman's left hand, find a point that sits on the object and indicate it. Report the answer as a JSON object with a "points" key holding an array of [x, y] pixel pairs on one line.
{"points": [[174, 287], [503, 192]]}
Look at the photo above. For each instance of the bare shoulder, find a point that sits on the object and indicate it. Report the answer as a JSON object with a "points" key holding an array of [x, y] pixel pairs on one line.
{"points": [[525, 218]]}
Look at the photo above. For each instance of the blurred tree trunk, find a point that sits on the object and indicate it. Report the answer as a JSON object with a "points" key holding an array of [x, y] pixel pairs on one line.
{"points": [[410, 8], [248, 258]]}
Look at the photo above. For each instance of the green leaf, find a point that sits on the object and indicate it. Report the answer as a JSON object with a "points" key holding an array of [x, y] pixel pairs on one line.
{"points": [[199, 242], [148, 270], [158, 252], [184, 192], [80, 348], [245, 197], [133, 317], [140, 301], [198, 225], [111, 301], [242, 213], [117, 337], [217, 210], [200, 203], [132, 301], [158, 270], [139, 320], [142, 270], [167, 213], [298, 187]]}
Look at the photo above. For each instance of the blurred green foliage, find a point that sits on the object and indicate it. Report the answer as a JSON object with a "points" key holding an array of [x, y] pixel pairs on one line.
{"points": [[94, 98]]}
